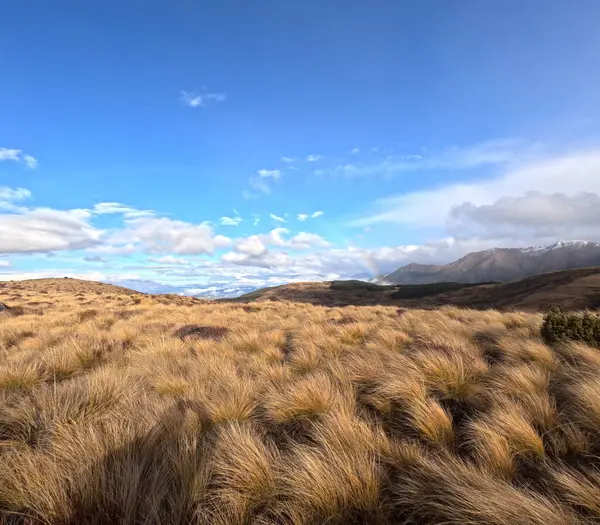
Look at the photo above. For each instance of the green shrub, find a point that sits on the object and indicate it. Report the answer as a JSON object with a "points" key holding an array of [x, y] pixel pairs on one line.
{"points": [[560, 326]]}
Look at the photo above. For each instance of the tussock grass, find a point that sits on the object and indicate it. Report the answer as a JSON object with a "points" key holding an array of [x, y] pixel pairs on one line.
{"points": [[121, 408]]}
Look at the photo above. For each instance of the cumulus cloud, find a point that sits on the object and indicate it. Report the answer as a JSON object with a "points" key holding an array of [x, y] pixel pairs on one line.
{"points": [[251, 246], [308, 240], [254, 250], [16, 155], [194, 100], [287, 160], [164, 235], [276, 217], [534, 214], [314, 158], [45, 229], [303, 216]]}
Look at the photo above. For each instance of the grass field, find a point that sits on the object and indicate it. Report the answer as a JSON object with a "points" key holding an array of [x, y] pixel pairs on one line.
{"points": [[117, 407]]}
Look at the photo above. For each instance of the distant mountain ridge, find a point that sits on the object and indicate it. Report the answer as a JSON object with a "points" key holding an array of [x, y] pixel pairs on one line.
{"points": [[502, 264]]}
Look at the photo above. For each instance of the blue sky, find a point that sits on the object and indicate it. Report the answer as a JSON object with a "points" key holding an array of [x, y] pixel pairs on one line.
{"points": [[258, 142]]}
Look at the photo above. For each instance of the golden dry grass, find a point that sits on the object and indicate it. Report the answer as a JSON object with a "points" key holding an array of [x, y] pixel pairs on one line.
{"points": [[120, 408]]}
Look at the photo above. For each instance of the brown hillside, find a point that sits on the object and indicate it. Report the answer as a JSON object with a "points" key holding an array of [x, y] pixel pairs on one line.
{"points": [[576, 289]]}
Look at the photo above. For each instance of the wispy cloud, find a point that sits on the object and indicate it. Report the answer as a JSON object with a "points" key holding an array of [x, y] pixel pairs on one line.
{"points": [[16, 155], [129, 212], [354, 151], [236, 220], [14, 194], [276, 218], [256, 219], [269, 174], [195, 100], [287, 160], [314, 158], [493, 152], [306, 216], [261, 182]]}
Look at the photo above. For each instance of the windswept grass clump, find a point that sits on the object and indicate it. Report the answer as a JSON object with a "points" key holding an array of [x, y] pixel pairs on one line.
{"points": [[124, 408]]}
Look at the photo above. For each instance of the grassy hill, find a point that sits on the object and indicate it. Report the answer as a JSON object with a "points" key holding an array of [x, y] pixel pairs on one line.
{"points": [[119, 407], [577, 289]]}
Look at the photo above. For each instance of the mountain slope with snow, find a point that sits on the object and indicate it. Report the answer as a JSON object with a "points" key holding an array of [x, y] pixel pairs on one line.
{"points": [[503, 264]]}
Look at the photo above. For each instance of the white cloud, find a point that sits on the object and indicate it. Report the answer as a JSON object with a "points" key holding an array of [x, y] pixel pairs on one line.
{"points": [[164, 235], [261, 182], [568, 174], [30, 162], [45, 229], [287, 160], [4, 263], [266, 260], [129, 212], [266, 174], [8, 197], [304, 216], [354, 151], [230, 221], [10, 154], [16, 155], [251, 246], [308, 240], [314, 158], [256, 219], [276, 218], [194, 100], [531, 215]]}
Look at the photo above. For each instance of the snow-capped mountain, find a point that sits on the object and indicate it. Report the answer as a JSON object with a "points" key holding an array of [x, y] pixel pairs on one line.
{"points": [[503, 264]]}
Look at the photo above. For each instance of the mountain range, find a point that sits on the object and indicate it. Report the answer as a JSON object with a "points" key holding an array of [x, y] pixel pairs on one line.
{"points": [[502, 264]]}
